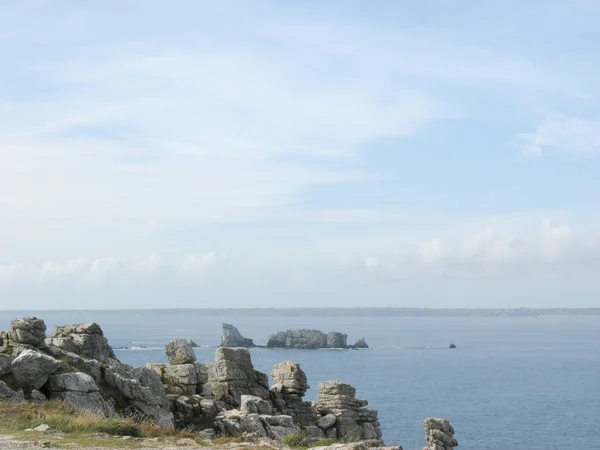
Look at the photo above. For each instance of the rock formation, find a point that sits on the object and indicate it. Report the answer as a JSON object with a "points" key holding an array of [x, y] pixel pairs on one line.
{"points": [[180, 351], [353, 422], [360, 343], [228, 397], [439, 435], [311, 339], [231, 337], [289, 386], [233, 375], [85, 339]]}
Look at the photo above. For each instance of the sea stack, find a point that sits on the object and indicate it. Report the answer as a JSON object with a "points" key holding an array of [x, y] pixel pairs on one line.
{"points": [[231, 337]]}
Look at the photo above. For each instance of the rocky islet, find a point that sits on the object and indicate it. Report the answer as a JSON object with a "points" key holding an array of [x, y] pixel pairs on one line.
{"points": [[227, 397]]}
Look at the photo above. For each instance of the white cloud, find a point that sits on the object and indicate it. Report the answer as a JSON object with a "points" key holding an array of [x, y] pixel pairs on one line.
{"points": [[197, 264], [103, 268], [569, 134], [52, 269], [431, 252]]}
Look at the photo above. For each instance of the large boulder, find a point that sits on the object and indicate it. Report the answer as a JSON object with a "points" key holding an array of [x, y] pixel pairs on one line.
{"points": [[28, 331], [32, 368], [138, 391], [10, 395], [77, 363], [84, 339], [180, 351], [181, 379], [303, 338], [439, 435], [232, 375], [231, 337], [250, 404], [80, 390], [194, 412]]}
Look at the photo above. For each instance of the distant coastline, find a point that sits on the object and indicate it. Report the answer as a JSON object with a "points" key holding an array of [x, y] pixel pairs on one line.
{"points": [[368, 312]]}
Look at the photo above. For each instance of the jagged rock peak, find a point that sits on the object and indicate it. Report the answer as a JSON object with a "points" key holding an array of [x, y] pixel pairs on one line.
{"points": [[361, 343], [83, 339], [231, 337], [439, 434]]}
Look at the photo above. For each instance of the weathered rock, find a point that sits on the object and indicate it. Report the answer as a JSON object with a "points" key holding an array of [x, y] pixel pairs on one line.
{"points": [[326, 422], [231, 337], [85, 339], [180, 351], [289, 386], [28, 331], [314, 433], [77, 363], [280, 426], [252, 427], [363, 445], [10, 395], [251, 404], [194, 412], [361, 343], [79, 390], [232, 375], [140, 391], [181, 379], [439, 435], [337, 340], [353, 422], [32, 368], [5, 364], [303, 338]]}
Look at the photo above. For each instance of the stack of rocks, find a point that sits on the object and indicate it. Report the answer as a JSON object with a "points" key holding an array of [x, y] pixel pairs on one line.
{"points": [[232, 375], [352, 421], [26, 333], [86, 340], [289, 387], [231, 337], [183, 376], [439, 435], [236, 423]]}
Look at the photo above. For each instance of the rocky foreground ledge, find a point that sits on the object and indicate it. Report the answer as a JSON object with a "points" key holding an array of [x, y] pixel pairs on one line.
{"points": [[227, 397]]}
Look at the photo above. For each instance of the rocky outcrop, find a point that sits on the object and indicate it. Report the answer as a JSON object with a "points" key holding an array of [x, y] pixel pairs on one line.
{"points": [[5, 364], [28, 331], [311, 339], [180, 351], [235, 423], [233, 375], [337, 340], [439, 435], [353, 421], [231, 337], [182, 379], [139, 392], [195, 412], [80, 390], [85, 339], [360, 343], [32, 368], [289, 386], [303, 338]]}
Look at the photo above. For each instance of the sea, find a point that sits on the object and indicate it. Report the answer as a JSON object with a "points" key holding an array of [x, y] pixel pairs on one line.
{"points": [[518, 383]]}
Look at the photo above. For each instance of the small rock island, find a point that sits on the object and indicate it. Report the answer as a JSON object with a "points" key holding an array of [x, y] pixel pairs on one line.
{"points": [[231, 337]]}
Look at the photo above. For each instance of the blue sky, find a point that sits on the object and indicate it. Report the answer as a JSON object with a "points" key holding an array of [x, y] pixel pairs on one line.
{"points": [[276, 153]]}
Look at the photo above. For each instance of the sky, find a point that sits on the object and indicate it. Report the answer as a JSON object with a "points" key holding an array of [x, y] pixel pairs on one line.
{"points": [[433, 153]]}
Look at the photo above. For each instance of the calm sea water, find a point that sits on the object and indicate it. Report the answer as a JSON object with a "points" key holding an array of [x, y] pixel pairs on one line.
{"points": [[513, 383]]}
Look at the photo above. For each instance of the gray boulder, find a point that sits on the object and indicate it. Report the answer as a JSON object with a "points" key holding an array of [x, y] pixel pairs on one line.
{"points": [[232, 375], [28, 331], [180, 351], [77, 363], [439, 434], [36, 396], [32, 368], [79, 390], [194, 412], [9, 395], [141, 390], [5, 364], [85, 339], [289, 386], [326, 422], [231, 337], [250, 404]]}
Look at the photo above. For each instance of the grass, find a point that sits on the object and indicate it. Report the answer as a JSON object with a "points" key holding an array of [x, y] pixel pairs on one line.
{"points": [[301, 441], [79, 426]]}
